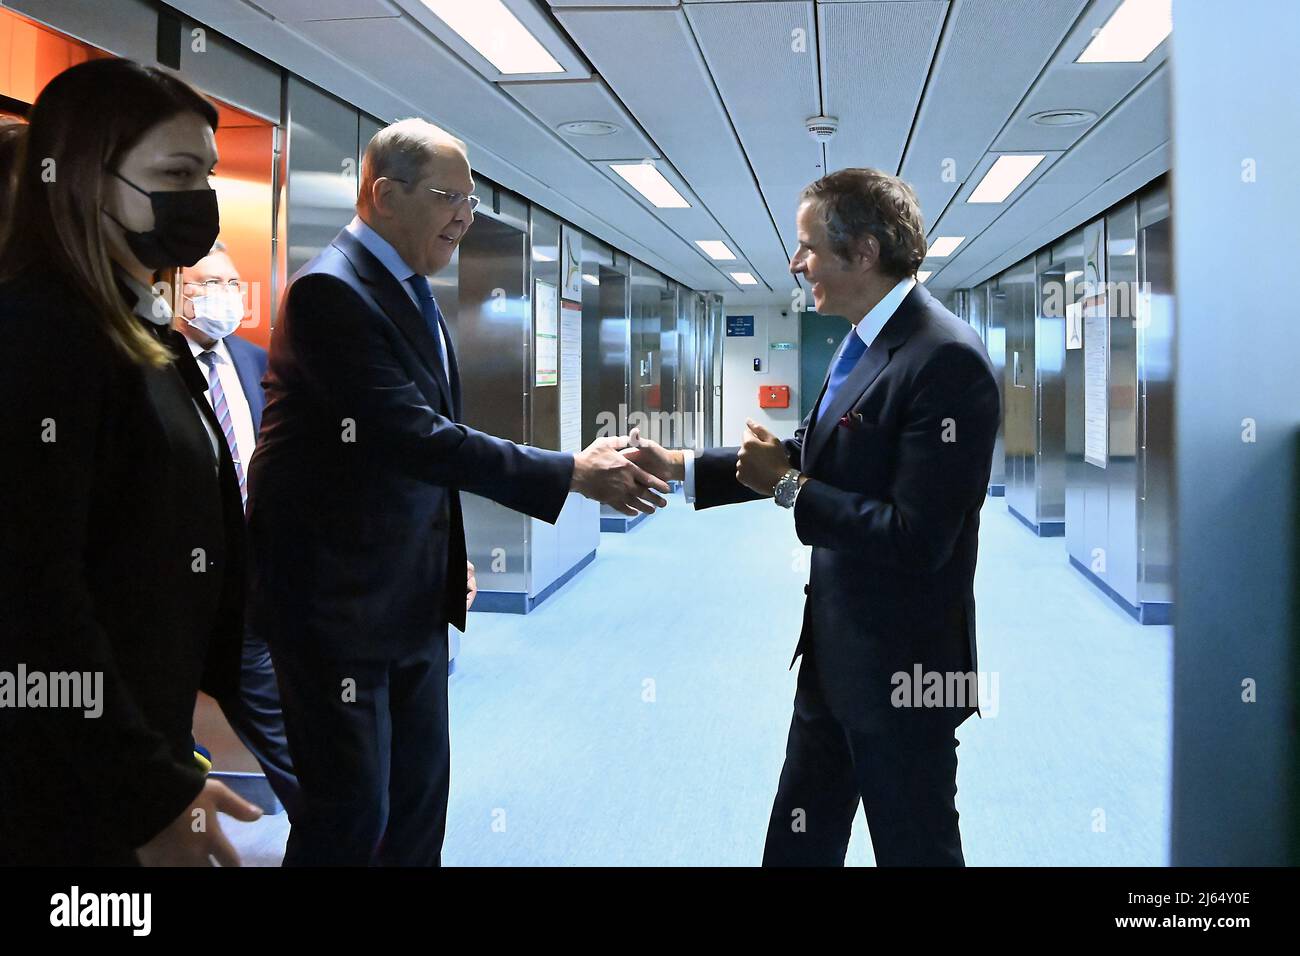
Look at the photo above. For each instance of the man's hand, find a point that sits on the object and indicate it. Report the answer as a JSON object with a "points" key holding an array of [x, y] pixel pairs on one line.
{"points": [[602, 474], [762, 459], [653, 457], [180, 845], [471, 585]]}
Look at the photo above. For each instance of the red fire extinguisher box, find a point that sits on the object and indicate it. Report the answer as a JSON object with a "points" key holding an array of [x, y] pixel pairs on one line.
{"points": [[774, 396]]}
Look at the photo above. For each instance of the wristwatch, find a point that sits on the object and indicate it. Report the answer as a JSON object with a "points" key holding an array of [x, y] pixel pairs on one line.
{"points": [[787, 489]]}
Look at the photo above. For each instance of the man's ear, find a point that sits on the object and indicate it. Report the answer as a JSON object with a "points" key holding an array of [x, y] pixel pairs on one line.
{"points": [[868, 254], [380, 196]]}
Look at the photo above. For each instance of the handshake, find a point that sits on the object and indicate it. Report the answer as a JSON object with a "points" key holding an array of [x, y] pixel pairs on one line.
{"points": [[626, 471]]}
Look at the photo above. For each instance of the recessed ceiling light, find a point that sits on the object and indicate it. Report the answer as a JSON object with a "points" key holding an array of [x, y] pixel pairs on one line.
{"points": [[922, 276], [715, 249], [944, 246], [743, 278], [1063, 117], [649, 182], [1135, 29], [1004, 176], [588, 128], [590, 279], [496, 33], [542, 256]]}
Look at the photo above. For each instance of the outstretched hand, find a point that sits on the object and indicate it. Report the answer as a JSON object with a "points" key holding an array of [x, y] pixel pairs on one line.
{"points": [[601, 473], [653, 457]]}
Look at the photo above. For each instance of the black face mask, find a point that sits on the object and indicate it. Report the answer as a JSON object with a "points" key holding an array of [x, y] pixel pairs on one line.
{"points": [[185, 225]]}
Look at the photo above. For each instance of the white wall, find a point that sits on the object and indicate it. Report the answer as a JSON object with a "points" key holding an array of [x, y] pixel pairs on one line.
{"points": [[740, 383]]}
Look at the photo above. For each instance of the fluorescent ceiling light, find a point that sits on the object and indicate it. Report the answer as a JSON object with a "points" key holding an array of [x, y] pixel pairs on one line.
{"points": [[922, 276], [542, 256], [590, 279], [944, 246], [1131, 33], [715, 248], [1004, 176], [649, 182], [1071, 276], [744, 278], [496, 33]]}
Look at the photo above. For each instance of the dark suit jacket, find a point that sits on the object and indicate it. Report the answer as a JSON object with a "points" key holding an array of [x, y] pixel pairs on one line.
{"points": [[898, 468], [98, 573], [354, 506], [250, 365]]}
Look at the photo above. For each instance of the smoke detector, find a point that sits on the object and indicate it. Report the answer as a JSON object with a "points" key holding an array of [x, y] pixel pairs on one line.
{"points": [[822, 128], [588, 128]]}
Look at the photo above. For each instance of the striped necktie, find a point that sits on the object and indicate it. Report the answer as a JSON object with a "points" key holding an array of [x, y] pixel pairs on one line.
{"points": [[222, 410]]}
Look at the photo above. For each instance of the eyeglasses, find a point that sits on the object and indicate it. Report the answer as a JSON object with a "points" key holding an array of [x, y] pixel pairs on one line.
{"points": [[216, 285], [454, 199]]}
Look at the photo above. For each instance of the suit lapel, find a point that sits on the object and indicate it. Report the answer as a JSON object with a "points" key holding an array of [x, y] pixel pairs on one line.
{"points": [[397, 305], [895, 332]]}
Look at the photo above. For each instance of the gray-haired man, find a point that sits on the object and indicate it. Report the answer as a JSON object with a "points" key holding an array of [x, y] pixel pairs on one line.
{"points": [[355, 510]]}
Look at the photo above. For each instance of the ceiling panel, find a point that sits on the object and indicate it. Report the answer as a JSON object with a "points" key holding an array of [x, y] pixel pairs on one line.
{"points": [[1136, 129], [399, 55], [770, 87], [650, 60], [1068, 85], [292, 10], [875, 58], [561, 101], [967, 103]]}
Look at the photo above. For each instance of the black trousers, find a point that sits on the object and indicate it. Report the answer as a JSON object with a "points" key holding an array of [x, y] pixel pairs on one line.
{"points": [[905, 778], [256, 717], [370, 744]]}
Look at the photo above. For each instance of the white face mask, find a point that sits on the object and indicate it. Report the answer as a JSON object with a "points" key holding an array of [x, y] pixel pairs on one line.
{"points": [[217, 314]]}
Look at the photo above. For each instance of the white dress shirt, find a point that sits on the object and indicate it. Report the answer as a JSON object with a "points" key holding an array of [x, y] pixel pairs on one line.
{"points": [[868, 329], [241, 416]]}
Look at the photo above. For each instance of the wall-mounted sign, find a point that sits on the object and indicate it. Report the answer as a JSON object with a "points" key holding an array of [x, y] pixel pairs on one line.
{"points": [[1096, 349], [783, 346], [570, 263], [546, 323], [740, 325], [570, 376]]}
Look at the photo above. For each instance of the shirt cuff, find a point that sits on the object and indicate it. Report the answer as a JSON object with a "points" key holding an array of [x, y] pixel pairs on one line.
{"points": [[688, 478]]}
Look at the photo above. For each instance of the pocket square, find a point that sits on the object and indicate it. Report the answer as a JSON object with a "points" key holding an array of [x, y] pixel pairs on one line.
{"points": [[851, 420]]}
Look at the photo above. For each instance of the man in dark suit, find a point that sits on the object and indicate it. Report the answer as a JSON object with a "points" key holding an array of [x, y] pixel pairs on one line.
{"points": [[212, 309], [885, 479], [355, 514]]}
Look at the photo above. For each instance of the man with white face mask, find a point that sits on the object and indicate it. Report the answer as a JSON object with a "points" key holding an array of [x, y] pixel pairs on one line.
{"points": [[213, 303]]}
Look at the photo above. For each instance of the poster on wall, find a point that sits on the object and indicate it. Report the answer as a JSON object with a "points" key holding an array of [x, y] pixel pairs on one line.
{"points": [[570, 377], [1096, 349], [571, 263], [546, 333]]}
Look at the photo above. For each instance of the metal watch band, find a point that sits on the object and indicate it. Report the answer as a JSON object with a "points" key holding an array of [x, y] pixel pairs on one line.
{"points": [[787, 488]]}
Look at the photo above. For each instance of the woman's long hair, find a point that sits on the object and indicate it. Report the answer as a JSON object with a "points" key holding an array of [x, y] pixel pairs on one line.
{"points": [[83, 123]]}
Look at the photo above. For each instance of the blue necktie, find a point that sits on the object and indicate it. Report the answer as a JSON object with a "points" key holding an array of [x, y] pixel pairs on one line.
{"points": [[850, 352], [432, 314]]}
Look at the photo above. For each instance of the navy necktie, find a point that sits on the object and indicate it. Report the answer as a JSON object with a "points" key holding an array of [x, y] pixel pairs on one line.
{"points": [[852, 350], [432, 314]]}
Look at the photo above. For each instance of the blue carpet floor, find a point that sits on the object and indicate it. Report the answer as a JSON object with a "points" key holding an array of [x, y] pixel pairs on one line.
{"points": [[638, 716]]}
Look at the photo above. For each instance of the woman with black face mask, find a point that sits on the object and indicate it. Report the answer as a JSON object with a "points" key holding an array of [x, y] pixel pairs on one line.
{"points": [[121, 528]]}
